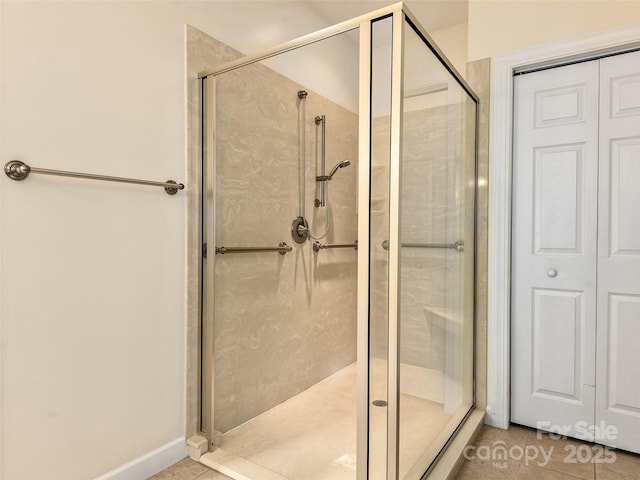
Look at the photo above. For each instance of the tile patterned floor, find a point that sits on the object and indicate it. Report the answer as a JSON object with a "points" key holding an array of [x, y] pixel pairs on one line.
{"points": [[540, 457], [188, 469], [552, 460]]}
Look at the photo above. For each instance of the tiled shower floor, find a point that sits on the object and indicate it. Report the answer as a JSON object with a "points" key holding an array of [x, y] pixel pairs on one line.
{"points": [[312, 436]]}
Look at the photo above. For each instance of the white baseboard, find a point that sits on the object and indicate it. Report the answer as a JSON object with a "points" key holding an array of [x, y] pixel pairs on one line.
{"points": [[496, 419], [150, 463]]}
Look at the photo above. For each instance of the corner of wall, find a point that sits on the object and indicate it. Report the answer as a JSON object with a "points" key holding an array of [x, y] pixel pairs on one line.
{"points": [[150, 463]]}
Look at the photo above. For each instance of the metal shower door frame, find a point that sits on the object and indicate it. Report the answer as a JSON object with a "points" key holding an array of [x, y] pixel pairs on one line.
{"points": [[363, 24]]}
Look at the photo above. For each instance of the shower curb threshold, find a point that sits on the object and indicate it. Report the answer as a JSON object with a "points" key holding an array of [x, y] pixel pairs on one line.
{"points": [[447, 466], [451, 460], [237, 467]]}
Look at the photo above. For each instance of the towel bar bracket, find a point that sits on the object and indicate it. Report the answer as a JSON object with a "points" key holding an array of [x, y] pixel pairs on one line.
{"points": [[17, 170]]}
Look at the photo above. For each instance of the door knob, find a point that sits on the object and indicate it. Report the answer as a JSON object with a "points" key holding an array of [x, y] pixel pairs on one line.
{"points": [[552, 272]]}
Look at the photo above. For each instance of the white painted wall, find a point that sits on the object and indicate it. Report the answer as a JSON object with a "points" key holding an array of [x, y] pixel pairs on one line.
{"points": [[92, 306], [453, 42], [508, 25]]}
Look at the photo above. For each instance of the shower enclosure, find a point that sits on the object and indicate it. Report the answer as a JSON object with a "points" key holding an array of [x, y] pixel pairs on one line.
{"points": [[338, 263]]}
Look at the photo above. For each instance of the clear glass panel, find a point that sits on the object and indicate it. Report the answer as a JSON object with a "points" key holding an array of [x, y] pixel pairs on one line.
{"points": [[437, 189], [284, 346], [280, 338], [381, 32]]}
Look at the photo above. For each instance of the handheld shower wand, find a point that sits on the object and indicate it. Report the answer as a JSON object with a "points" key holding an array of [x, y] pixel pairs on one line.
{"points": [[342, 164], [332, 172]]}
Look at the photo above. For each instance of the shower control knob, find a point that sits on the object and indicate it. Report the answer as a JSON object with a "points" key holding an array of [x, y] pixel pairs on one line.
{"points": [[300, 229], [552, 272]]}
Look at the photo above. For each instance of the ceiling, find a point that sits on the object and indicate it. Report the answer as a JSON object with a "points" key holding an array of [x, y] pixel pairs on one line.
{"points": [[252, 26], [432, 14]]}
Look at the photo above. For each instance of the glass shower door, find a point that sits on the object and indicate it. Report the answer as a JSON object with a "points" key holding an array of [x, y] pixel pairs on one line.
{"points": [[436, 256], [427, 254]]}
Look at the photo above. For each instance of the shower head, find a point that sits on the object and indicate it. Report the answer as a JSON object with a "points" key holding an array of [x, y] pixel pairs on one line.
{"points": [[342, 164]]}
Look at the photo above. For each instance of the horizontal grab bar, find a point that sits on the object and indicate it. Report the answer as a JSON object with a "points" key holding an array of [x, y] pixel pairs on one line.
{"points": [[317, 246], [17, 170], [282, 249], [458, 246]]}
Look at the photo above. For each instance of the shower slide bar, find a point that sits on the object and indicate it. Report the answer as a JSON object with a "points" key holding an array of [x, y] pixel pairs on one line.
{"points": [[458, 246], [17, 170], [282, 249], [317, 246]]}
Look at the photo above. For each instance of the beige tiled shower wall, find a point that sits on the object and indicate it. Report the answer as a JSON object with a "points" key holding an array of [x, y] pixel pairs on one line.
{"points": [[203, 53], [282, 322]]}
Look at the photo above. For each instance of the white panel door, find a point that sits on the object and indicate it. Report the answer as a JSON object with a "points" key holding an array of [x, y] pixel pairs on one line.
{"points": [[618, 378], [554, 228]]}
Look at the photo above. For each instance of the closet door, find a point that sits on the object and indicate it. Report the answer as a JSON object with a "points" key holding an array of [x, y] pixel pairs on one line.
{"points": [[618, 378], [554, 230]]}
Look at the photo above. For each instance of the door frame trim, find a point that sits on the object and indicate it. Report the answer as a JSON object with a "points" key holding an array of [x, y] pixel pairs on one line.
{"points": [[499, 225]]}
